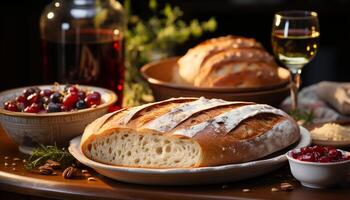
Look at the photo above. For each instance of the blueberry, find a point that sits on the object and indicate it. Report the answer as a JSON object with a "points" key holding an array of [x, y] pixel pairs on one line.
{"points": [[80, 104], [56, 97], [53, 107]]}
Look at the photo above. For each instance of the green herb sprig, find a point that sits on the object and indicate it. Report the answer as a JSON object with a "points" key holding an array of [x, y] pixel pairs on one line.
{"points": [[43, 153], [301, 116]]}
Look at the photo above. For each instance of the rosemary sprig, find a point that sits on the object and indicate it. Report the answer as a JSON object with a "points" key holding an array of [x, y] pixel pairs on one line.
{"points": [[305, 117], [43, 153]]}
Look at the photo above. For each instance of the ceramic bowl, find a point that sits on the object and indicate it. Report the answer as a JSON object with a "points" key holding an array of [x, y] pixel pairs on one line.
{"points": [[319, 175], [30, 129], [160, 74]]}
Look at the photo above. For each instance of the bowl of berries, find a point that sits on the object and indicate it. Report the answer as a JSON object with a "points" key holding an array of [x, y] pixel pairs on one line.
{"points": [[51, 114], [319, 166]]}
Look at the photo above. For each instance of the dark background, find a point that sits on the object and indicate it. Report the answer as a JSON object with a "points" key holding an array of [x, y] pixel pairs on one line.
{"points": [[20, 54]]}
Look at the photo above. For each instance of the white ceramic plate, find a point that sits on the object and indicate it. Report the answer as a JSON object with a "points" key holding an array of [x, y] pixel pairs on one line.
{"points": [[191, 176]]}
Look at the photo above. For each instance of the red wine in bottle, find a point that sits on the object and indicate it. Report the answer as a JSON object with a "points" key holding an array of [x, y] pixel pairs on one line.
{"points": [[90, 57]]}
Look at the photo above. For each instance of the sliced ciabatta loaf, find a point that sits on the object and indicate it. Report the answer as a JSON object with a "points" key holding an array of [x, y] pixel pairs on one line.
{"points": [[188, 132]]}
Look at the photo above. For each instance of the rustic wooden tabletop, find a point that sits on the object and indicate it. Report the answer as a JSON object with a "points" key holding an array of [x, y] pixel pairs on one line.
{"points": [[18, 183]]}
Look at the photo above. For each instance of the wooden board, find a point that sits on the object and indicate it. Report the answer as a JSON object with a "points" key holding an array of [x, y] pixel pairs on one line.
{"points": [[26, 183]]}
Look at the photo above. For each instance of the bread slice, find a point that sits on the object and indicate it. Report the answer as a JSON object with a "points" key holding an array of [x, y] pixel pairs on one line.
{"points": [[188, 132]]}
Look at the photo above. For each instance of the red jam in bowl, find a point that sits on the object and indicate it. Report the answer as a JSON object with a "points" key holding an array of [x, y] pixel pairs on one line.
{"points": [[35, 100], [321, 154]]}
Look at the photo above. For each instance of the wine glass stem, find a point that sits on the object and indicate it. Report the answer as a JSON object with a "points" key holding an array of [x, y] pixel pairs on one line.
{"points": [[295, 84]]}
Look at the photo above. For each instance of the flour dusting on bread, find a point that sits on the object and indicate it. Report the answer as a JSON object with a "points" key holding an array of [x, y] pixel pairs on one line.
{"points": [[189, 132]]}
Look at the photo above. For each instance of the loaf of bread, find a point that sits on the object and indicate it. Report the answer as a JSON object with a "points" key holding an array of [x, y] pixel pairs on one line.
{"points": [[188, 132], [228, 61]]}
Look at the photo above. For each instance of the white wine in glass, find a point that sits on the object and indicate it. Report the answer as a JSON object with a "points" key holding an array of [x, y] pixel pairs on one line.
{"points": [[295, 40]]}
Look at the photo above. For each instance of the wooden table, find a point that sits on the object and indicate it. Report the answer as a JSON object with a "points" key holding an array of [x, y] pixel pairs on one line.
{"points": [[22, 184]]}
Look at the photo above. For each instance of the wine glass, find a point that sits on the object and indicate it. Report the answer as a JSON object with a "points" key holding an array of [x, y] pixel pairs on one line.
{"points": [[295, 39]]}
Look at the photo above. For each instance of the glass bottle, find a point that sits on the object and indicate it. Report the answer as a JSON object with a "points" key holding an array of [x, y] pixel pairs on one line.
{"points": [[82, 42]]}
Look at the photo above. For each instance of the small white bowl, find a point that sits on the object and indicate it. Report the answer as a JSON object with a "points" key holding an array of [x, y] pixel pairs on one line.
{"points": [[319, 175], [30, 129]]}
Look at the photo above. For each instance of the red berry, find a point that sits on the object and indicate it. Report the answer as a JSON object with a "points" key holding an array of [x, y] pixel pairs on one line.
{"points": [[33, 98], [294, 154], [12, 107], [332, 153], [93, 99], [21, 99], [46, 93], [318, 149], [6, 104], [72, 89], [316, 155], [305, 150], [70, 100], [33, 108]]}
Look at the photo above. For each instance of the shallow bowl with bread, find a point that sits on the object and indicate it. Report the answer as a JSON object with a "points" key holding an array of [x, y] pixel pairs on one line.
{"points": [[227, 67], [159, 75], [30, 129]]}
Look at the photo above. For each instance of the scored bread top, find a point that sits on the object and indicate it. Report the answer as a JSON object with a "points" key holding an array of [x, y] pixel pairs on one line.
{"points": [[166, 116], [228, 132]]}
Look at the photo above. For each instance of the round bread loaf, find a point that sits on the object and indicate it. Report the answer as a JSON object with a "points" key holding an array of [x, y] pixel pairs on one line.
{"points": [[188, 132], [229, 61]]}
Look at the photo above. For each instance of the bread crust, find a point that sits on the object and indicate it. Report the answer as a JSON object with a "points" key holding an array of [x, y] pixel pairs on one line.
{"points": [[256, 130], [198, 66]]}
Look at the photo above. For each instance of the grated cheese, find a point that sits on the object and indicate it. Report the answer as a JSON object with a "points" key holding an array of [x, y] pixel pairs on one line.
{"points": [[331, 131]]}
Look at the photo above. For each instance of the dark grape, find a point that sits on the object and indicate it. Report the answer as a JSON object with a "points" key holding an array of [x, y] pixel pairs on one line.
{"points": [[80, 104], [56, 97], [53, 107]]}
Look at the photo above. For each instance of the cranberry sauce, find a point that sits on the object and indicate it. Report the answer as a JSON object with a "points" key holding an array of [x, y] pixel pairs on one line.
{"points": [[319, 154]]}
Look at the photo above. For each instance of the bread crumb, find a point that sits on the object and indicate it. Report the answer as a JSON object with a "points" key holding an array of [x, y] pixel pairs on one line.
{"points": [[274, 189], [286, 187], [92, 179], [246, 190]]}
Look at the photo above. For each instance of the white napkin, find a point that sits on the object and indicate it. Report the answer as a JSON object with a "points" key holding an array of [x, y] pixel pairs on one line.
{"points": [[310, 100], [336, 94]]}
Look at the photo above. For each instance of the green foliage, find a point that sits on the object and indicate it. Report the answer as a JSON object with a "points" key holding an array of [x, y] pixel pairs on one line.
{"points": [[43, 153], [152, 39], [301, 116]]}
